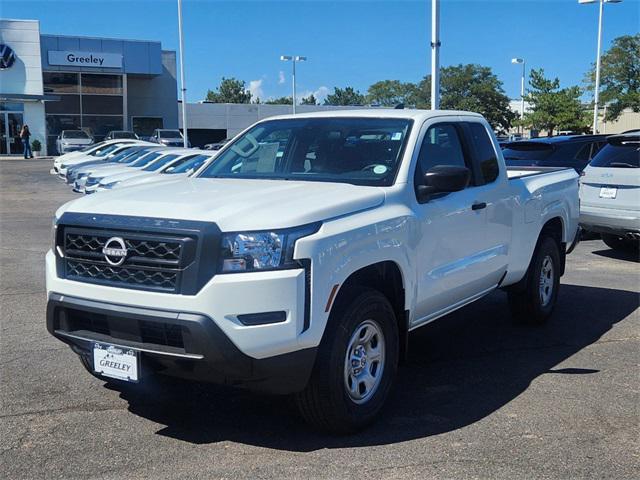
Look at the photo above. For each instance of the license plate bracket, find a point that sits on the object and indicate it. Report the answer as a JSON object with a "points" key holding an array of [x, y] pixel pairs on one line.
{"points": [[117, 362], [608, 192]]}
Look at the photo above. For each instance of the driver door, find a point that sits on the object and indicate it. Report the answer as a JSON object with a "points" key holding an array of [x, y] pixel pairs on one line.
{"points": [[451, 227]]}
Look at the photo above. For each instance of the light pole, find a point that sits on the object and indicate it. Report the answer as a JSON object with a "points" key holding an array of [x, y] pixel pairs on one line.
{"points": [[293, 59], [435, 54], [185, 135], [596, 93], [524, 72]]}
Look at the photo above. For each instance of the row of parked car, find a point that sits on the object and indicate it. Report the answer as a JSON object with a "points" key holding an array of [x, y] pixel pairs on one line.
{"points": [[126, 162], [609, 178], [76, 140]]}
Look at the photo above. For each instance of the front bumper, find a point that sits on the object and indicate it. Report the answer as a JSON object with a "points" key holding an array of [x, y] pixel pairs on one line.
{"points": [[609, 220], [222, 299], [186, 345]]}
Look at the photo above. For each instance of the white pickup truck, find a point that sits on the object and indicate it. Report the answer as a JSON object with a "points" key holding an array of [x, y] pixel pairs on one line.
{"points": [[299, 261]]}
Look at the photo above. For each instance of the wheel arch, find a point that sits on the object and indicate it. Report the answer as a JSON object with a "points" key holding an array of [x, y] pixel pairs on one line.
{"points": [[387, 278]]}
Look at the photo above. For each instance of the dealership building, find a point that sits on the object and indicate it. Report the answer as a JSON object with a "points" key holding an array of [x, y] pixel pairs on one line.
{"points": [[59, 82]]}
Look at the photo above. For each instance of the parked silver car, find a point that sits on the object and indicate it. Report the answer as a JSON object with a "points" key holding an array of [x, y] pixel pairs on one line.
{"points": [[167, 137], [72, 140], [610, 192]]}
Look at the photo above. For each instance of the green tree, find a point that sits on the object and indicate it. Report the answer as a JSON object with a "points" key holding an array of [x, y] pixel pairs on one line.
{"points": [[346, 96], [619, 76], [470, 87], [279, 101], [554, 108], [231, 90], [389, 93], [310, 100]]}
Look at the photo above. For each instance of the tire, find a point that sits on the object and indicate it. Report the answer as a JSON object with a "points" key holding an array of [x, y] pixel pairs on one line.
{"points": [[619, 243], [534, 301], [345, 393]]}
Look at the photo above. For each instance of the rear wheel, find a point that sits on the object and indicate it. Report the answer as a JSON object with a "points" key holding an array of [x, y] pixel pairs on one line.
{"points": [[356, 364], [534, 301], [619, 243]]}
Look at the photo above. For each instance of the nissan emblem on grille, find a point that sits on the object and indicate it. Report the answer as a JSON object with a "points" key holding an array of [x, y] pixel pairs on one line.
{"points": [[115, 251]]}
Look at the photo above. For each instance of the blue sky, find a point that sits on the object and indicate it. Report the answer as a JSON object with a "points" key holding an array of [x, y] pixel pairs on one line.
{"points": [[348, 43]]}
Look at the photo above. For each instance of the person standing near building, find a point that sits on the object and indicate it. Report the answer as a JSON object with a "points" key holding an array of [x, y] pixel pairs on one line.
{"points": [[24, 135]]}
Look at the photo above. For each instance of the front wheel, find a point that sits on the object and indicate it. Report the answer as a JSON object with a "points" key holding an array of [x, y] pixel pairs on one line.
{"points": [[534, 302], [356, 364]]}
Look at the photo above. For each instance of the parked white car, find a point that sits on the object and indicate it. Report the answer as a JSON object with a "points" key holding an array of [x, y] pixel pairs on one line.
{"points": [[72, 140], [300, 259], [160, 164], [172, 173], [119, 159], [95, 152], [141, 160], [610, 193]]}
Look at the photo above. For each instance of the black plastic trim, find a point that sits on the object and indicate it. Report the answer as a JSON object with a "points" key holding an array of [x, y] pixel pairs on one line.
{"points": [[213, 356], [263, 318]]}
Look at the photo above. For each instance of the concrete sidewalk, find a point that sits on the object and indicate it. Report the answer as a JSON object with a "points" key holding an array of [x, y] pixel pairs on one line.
{"points": [[20, 157]]}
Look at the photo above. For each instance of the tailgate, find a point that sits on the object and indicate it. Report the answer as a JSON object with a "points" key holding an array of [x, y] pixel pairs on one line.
{"points": [[611, 188]]}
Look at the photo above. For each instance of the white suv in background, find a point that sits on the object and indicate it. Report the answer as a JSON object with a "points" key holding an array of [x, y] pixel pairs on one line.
{"points": [[610, 192]]}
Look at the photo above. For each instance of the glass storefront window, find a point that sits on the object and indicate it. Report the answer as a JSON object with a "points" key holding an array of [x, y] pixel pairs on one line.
{"points": [[11, 107], [144, 126], [60, 82], [68, 104], [57, 123], [99, 125], [101, 84], [102, 104]]}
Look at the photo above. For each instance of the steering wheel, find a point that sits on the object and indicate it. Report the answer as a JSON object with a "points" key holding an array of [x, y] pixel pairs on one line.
{"points": [[373, 166]]}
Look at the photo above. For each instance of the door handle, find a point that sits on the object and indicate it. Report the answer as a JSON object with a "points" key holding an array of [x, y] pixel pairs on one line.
{"points": [[478, 206]]}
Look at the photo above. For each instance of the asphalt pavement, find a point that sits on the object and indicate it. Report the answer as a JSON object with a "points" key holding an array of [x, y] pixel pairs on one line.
{"points": [[478, 397]]}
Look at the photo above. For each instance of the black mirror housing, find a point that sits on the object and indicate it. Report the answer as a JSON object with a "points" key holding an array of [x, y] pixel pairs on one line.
{"points": [[444, 179]]}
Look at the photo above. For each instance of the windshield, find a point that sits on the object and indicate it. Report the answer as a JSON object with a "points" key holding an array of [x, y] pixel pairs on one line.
{"points": [[169, 134], [115, 158], [145, 159], [102, 150], [190, 165], [361, 151], [621, 154], [131, 155], [159, 163], [74, 134]]}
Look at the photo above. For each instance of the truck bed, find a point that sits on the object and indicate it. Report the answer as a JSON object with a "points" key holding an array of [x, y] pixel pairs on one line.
{"points": [[520, 172]]}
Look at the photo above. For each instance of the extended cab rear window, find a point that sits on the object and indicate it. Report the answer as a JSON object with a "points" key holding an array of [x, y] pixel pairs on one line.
{"points": [[619, 153]]}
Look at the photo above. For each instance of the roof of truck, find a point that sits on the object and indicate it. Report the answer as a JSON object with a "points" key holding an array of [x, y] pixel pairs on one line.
{"points": [[379, 113]]}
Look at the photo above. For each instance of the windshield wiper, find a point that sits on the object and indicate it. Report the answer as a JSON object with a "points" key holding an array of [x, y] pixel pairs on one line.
{"points": [[622, 165]]}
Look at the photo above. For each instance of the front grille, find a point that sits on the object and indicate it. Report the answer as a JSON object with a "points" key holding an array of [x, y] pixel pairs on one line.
{"points": [[152, 261], [129, 329], [154, 279]]}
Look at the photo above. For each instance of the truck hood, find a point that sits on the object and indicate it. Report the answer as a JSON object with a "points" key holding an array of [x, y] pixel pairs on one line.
{"points": [[232, 204]]}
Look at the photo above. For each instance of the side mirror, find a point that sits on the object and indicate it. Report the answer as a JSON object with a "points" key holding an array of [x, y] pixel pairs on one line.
{"points": [[443, 179]]}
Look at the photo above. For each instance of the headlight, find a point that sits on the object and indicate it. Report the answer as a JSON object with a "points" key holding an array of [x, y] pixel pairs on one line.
{"points": [[254, 251]]}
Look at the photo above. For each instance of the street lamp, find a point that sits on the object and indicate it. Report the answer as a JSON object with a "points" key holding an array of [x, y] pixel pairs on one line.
{"points": [[435, 54], [293, 59], [596, 93], [524, 71], [185, 135]]}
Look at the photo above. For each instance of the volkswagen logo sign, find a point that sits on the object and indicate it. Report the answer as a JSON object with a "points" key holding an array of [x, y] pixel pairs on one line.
{"points": [[115, 251], [7, 56]]}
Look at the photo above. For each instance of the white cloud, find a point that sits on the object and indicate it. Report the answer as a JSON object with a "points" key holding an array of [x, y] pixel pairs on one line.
{"points": [[320, 94], [255, 87], [281, 78]]}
